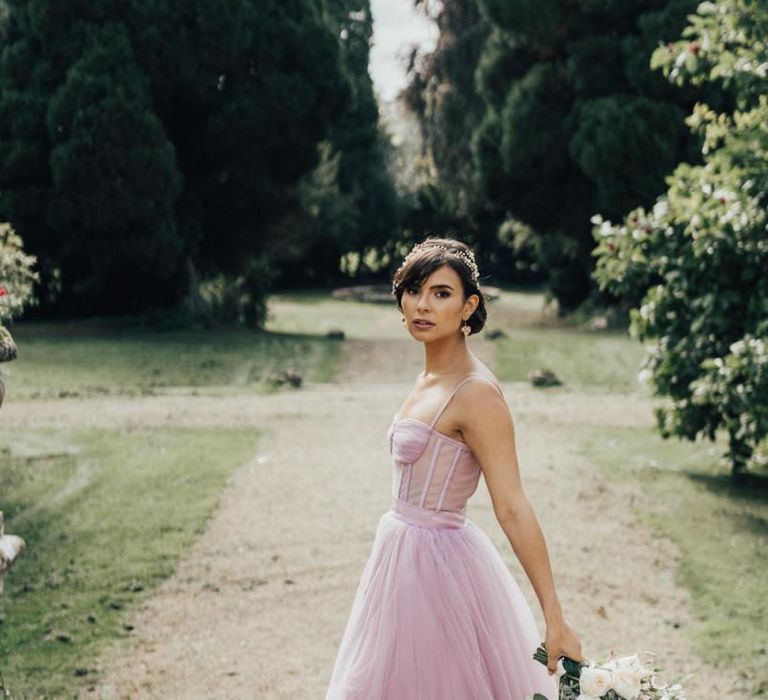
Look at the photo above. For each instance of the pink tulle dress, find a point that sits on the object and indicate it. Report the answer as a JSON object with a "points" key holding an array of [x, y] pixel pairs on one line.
{"points": [[437, 614]]}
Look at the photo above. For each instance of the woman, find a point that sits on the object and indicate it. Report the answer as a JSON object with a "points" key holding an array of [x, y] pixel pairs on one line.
{"points": [[437, 615]]}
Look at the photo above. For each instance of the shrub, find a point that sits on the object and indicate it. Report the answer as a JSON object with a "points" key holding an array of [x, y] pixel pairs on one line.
{"points": [[698, 258]]}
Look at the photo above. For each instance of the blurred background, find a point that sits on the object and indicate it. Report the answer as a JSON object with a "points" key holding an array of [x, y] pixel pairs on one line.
{"points": [[201, 207]]}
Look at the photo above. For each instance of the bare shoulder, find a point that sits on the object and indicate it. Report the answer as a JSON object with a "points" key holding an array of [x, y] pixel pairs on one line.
{"points": [[481, 399], [482, 388], [487, 427]]}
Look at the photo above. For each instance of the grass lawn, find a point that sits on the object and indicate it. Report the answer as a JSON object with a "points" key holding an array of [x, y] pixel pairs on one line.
{"points": [[719, 526], [87, 359], [105, 515], [584, 361], [317, 312]]}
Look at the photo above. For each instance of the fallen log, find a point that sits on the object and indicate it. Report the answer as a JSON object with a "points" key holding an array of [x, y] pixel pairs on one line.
{"points": [[11, 547]]}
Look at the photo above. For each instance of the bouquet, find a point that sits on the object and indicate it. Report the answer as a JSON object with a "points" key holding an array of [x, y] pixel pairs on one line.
{"points": [[625, 678]]}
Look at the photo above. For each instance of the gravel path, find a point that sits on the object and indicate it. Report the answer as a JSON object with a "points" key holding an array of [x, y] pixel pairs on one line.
{"points": [[257, 606]]}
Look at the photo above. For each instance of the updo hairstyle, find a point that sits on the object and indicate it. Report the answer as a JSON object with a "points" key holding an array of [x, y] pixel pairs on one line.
{"points": [[430, 254]]}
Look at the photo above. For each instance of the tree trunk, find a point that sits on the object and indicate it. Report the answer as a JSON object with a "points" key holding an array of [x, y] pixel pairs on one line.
{"points": [[193, 301]]}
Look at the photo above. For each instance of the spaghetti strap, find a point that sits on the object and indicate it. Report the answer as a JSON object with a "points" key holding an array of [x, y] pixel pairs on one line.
{"points": [[470, 376]]}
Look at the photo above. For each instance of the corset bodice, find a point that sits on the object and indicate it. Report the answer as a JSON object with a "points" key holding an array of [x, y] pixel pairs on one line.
{"points": [[431, 470]]}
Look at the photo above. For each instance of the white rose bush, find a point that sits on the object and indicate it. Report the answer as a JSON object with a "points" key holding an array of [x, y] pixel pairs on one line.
{"points": [[697, 259], [623, 678], [17, 279], [17, 276]]}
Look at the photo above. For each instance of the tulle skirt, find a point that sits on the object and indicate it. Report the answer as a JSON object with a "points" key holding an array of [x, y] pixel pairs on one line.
{"points": [[437, 615]]}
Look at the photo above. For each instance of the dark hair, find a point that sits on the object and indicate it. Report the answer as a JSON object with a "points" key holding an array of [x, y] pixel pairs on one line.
{"points": [[433, 253]]}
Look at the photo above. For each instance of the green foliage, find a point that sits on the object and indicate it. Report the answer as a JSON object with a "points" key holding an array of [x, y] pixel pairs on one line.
{"points": [[348, 202], [364, 182], [237, 299], [501, 61], [307, 241], [531, 139], [697, 260], [114, 178], [140, 142], [724, 42], [449, 103], [575, 120], [442, 94], [595, 67], [17, 276], [626, 163], [534, 18]]}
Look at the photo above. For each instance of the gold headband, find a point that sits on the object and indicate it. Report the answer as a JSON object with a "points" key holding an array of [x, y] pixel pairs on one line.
{"points": [[465, 256]]}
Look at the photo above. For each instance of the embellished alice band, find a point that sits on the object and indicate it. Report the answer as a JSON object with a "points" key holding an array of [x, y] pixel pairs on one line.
{"points": [[465, 256]]}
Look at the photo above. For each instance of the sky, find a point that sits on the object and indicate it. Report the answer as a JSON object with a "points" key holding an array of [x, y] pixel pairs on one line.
{"points": [[396, 25]]}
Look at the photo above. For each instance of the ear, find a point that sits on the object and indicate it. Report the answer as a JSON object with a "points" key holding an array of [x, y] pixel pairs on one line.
{"points": [[473, 301]]}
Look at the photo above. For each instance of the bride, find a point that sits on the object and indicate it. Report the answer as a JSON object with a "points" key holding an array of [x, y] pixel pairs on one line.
{"points": [[437, 615]]}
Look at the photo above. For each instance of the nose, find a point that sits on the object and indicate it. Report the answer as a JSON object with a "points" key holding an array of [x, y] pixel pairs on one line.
{"points": [[421, 304]]}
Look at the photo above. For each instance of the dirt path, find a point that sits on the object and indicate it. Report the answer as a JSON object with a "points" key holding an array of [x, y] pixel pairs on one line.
{"points": [[257, 607]]}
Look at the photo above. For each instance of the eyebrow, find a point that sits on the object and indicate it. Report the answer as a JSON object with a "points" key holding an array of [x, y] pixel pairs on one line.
{"points": [[437, 286]]}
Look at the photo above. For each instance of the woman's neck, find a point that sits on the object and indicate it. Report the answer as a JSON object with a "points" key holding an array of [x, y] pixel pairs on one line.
{"points": [[447, 359]]}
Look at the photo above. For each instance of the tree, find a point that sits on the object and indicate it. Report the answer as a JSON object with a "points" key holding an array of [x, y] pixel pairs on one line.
{"points": [[442, 94], [115, 181], [195, 120], [698, 259], [348, 203], [576, 121]]}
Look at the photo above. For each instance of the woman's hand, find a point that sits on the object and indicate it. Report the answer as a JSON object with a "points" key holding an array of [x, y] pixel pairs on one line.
{"points": [[562, 640]]}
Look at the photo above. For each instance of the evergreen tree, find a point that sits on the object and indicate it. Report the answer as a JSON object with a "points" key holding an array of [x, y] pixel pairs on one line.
{"points": [[576, 121], [115, 233], [357, 211], [143, 139], [442, 94]]}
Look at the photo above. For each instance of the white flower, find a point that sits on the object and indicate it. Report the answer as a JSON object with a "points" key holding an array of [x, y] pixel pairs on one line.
{"points": [[586, 697], [644, 375], [594, 681], [633, 662], [661, 208], [626, 680]]}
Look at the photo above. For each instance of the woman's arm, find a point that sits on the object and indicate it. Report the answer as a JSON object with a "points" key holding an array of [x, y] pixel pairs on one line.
{"points": [[487, 428]]}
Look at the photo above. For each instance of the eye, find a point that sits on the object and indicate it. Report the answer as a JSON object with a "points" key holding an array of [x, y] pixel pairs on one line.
{"points": [[443, 291]]}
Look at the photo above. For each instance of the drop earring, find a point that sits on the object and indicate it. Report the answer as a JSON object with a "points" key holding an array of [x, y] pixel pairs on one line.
{"points": [[466, 329]]}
